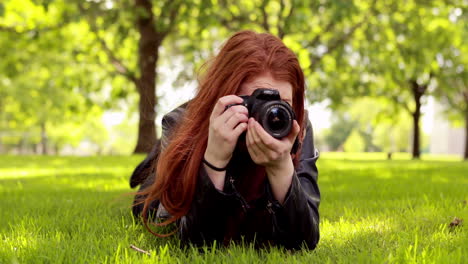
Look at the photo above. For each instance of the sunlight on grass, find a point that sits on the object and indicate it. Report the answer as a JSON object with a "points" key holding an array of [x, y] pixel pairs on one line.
{"points": [[77, 210], [342, 231], [383, 156], [28, 173]]}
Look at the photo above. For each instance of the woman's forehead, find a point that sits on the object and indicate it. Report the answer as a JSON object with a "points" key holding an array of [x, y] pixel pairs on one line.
{"points": [[267, 81]]}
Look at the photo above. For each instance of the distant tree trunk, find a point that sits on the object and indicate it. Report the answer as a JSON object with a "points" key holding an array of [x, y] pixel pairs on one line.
{"points": [[418, 91], [416, 135], [22, 146], [465, 155], [37, 148], [146, 84], [43, 139]]}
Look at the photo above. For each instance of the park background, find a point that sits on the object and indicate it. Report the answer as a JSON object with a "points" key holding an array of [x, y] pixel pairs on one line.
{"points": [[93, 78]]}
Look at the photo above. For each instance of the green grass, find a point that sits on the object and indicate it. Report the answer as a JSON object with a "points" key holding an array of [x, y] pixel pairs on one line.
{"points": [[75, 210]]}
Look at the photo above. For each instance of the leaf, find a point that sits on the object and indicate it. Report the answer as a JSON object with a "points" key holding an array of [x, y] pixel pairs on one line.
{"points": [[2, 10], [456, 222]]}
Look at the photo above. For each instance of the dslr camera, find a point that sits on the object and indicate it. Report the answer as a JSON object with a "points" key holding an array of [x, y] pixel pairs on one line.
{"points": [[274, 115]]}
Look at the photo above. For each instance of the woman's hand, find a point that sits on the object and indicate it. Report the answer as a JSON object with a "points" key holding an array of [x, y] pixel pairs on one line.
{"points": [[274, 154], [226, 125], [266, 150]]}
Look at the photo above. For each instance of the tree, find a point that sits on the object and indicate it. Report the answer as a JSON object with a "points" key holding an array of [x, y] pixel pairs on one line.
{"points": [[382, 128], [452, 88], [399, 50], [42, 78], [316, 31], [115, 32]]}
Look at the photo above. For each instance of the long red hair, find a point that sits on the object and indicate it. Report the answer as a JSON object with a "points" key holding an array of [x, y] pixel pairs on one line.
{"points": [[245, 55]]}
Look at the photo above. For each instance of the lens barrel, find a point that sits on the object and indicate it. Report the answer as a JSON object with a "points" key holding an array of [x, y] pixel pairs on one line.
{"points": [[276, 118]]}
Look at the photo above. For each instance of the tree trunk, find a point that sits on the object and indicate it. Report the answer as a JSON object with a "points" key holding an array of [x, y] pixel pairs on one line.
{"points": [[416, 133], [146, 84], [43, 139], [418, 91]]}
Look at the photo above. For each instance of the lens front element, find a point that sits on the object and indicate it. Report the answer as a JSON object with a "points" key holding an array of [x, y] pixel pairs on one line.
{"points": [[277, 120]]}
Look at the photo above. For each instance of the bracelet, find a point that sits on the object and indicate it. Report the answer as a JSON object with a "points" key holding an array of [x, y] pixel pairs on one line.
{"points": [[213, 166]]}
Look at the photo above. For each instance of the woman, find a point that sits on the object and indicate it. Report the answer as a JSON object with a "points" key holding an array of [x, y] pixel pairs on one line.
{"points": [[220, 175]]}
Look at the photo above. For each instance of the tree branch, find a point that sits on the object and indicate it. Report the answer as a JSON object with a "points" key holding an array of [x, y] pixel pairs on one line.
{"points": [[334, 44], [9, 29], [140, 250], [119, 67], [173, 13], [281, 31], [397, 100], [265, 24], [13, 29], [458, 98], [227, 22], [327, 29]]}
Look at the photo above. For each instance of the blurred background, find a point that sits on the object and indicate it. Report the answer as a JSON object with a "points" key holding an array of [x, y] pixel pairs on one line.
{"points": [[94, 77]]}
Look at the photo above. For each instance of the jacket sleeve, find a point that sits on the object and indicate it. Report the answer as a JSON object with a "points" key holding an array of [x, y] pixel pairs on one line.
{"points": [[200, 225], [297, 221]]}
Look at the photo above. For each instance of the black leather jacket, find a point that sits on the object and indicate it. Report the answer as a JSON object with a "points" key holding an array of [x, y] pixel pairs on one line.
{"points": [[226, 215]]}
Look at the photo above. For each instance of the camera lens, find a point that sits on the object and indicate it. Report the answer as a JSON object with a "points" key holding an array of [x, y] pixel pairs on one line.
{"points": [[277, 119]]}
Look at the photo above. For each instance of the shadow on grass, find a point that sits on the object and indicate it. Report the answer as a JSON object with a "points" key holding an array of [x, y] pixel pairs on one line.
{"points": [[76, 162]]}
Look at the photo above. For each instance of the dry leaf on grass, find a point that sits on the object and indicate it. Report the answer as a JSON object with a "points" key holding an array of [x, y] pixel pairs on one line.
{"points": [[456, 222]]}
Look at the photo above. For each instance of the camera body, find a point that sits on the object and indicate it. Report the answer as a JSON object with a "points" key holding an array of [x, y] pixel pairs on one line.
{"points": [[274, 115]]}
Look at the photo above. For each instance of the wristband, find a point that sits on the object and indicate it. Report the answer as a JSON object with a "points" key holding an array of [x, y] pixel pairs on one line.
{"points": [[213, 166]]}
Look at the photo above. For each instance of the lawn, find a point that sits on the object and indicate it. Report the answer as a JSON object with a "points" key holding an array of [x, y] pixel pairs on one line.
{"points": [[77, 210]]}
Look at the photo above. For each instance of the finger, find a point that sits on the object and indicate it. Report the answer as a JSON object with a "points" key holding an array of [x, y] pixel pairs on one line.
{"points": [[224, 101], [240, 128], [221, 120], [255, 153], [249, 138], [294, 132], [251, 148], [256, 128], [268, 141], [253, 132], [236, 116], [250, 130]]}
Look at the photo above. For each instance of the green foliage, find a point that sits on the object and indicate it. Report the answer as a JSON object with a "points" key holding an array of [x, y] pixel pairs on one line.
{"points": [[2, 9], [374, 124], [341, 128], [77, 210], [393, 137], [60, 59], [46, 80], [354, 143], [404, 43], [453, 83]]}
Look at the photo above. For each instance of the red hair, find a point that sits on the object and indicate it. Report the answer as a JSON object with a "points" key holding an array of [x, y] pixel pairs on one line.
{"points": [[244, 56]]}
